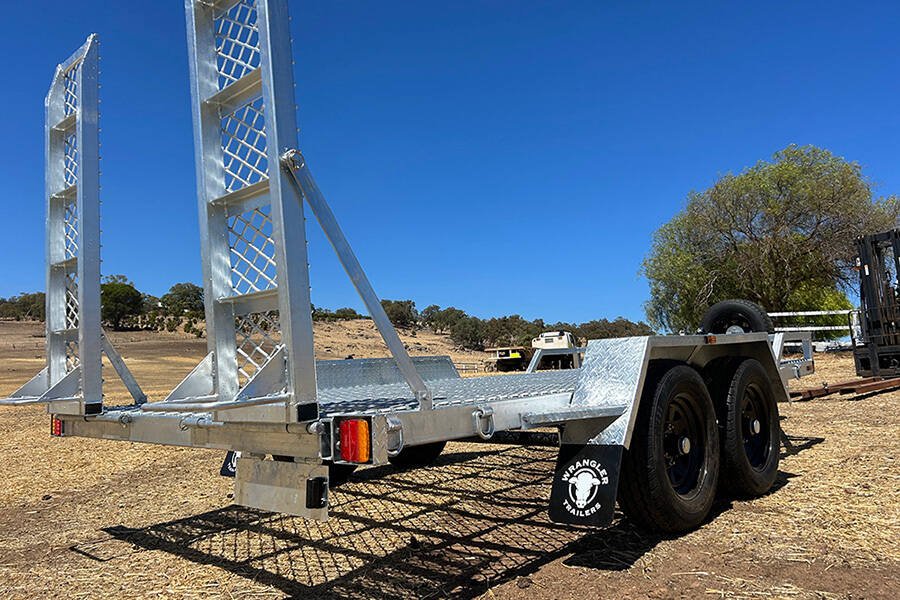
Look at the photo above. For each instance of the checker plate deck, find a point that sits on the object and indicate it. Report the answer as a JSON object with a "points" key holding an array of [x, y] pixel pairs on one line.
{"points": [[447, 392]]}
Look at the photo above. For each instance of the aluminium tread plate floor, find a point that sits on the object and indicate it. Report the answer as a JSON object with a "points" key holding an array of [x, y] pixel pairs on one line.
{"points": [[394, 397], [447, 392]]}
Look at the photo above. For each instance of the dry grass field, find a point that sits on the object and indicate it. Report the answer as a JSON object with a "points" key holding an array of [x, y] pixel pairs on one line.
{"points": [[98, 519]]}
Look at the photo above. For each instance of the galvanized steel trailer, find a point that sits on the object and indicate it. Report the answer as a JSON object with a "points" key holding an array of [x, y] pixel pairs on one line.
{"points": [[661, 410]]}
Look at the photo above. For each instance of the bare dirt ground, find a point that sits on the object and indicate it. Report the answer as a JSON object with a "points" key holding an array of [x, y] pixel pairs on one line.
{"points": [[95, 519]]}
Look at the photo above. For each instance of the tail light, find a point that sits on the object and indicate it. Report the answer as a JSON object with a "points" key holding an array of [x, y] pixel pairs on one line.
{"points": [[57, 426], [356, 443]]}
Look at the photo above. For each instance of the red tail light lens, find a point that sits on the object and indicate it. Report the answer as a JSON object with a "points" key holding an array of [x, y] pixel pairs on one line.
{"points": [[355, 440], [57, 427]]}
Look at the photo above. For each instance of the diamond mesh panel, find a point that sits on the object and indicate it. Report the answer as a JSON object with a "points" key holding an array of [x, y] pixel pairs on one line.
{"points": [[252, 251], [258, 337], [70, 84], [70, 162], [244, 146], [237, 42], [71, 230], [71, 355], [71, 301]]}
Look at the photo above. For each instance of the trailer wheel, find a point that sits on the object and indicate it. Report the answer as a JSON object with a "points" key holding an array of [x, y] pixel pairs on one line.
{"points": [[418, 456], [750, 432], [736, 316], [337, 474], [670, 471]]}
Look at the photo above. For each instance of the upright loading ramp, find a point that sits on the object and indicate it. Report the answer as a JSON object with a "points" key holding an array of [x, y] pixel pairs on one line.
{"points": [[71, 383], [255, 268], [251, 187]]}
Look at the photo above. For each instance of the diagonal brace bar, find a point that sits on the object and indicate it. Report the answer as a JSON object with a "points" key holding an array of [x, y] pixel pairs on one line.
{"points": [[124, 372], [305, 187]]}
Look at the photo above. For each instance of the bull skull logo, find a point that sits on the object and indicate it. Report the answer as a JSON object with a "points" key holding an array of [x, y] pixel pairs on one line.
{"points": [[583, 486]]}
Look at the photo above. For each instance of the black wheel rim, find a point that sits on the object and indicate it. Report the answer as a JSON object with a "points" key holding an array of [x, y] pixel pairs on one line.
{"points": [[754, 411], [683, 422], [724, 323]]}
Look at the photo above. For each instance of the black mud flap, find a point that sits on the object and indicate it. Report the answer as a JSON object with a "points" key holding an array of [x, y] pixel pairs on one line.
{"points": [[229, 467], [585, 483], [317, 492]]}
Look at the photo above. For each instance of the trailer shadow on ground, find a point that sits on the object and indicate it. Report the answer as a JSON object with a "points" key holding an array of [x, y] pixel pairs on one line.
{"points": [[794, 444], [474, 520]]}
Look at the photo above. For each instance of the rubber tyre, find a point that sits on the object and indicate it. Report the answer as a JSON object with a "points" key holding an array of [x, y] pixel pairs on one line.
{"points": [[742, 313], [652, 491], [749, 462], [418, 456], [337, 474]]}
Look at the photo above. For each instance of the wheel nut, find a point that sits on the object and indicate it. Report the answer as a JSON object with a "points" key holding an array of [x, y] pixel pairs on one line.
{"points": [[755, 427], [684, 445]]}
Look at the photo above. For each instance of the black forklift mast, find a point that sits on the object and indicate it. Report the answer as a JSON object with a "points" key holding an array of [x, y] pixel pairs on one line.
{"points": [[877, 352]]}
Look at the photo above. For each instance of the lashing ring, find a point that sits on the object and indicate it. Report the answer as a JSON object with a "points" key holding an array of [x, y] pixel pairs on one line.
{"points": [[394, 424], [483, 420]]}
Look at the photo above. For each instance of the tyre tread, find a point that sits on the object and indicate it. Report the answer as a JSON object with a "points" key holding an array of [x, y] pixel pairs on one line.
{"points": [[752, 309], [640, 493], [736, 480]]}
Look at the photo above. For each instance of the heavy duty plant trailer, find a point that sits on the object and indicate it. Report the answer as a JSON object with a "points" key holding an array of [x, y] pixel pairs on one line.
{"points": [[656, 422]]}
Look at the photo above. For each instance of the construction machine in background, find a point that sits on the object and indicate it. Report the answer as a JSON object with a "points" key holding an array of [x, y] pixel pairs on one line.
{"points": [[556, 340], [557, 350], [508, 358], [875, 327]]}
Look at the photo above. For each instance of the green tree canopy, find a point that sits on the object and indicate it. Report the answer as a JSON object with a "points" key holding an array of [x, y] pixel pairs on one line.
{"points": [[764, 235], [468, 332], [183, 298], [429, 314], [119, 301], [402, 313], [619, 327], [511, 331], [117, 279], [346, 313], [150, 303], [23, 306], [447, 318]]}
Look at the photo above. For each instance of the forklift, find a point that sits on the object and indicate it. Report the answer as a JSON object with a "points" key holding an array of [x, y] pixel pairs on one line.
{"points": [[875, 327]]}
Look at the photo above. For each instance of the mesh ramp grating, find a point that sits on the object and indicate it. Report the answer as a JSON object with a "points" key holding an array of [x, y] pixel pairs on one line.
{"points": [[254, 223], [449, 392]]}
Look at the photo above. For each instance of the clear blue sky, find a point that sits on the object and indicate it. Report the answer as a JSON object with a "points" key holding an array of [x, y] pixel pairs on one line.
{"points": [[499, 156]]}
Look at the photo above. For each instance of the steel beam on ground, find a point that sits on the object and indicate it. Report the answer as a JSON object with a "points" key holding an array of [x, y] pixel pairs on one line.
{"points": [[878, 386], [833, 388]]}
